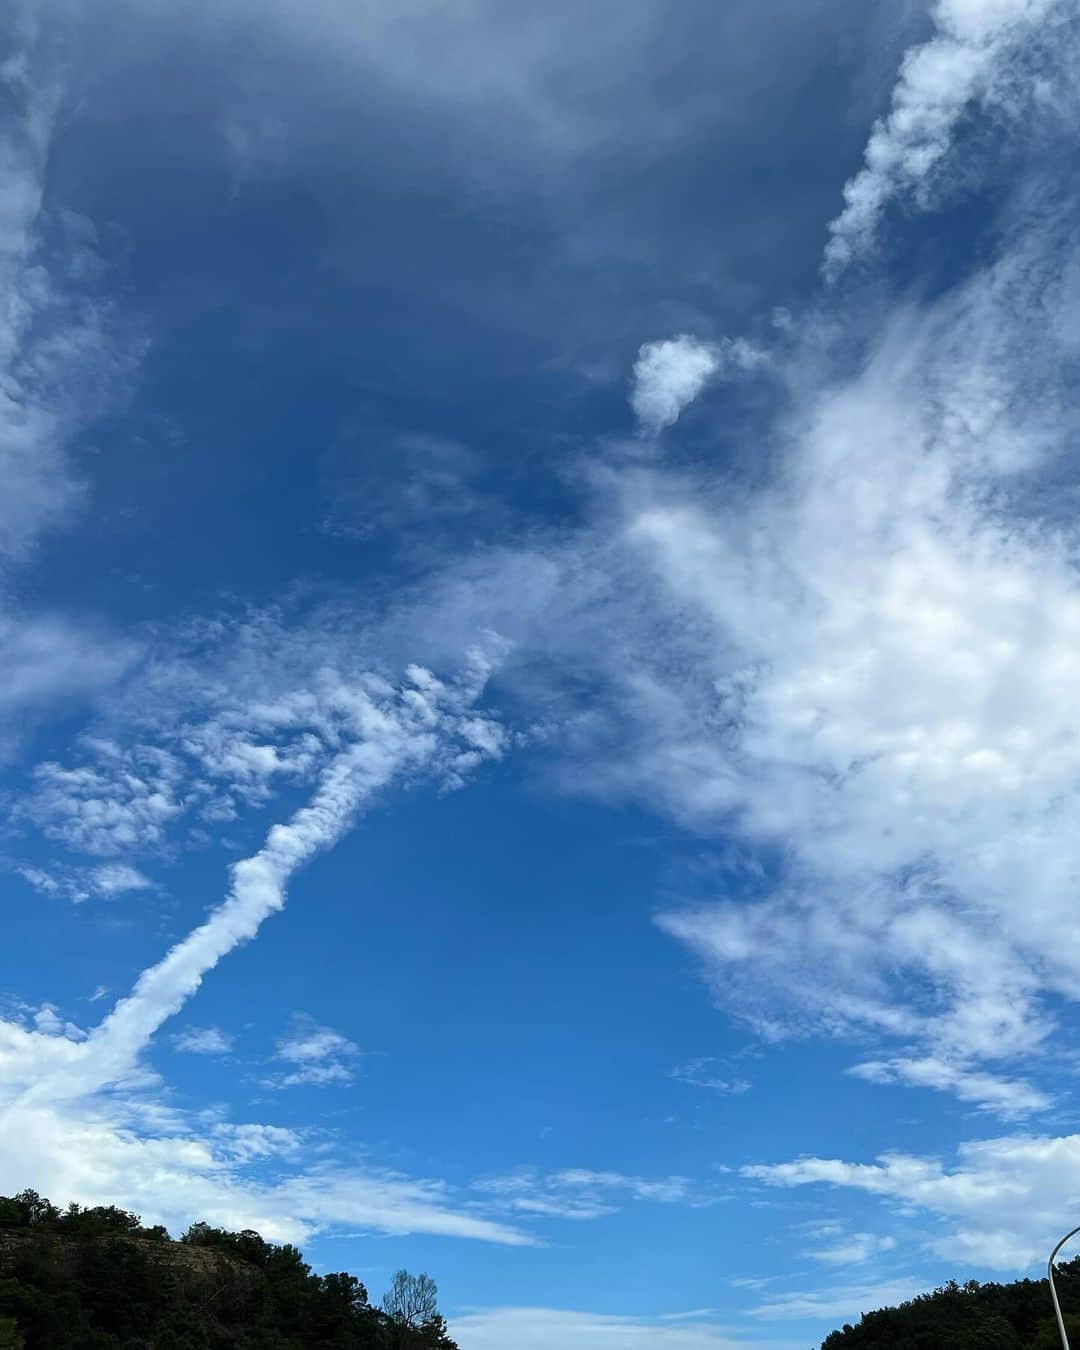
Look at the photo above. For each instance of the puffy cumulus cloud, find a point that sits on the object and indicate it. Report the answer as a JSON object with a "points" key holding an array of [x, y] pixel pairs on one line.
{"points": [[541, 1328], [670, 374], [317, 1056], [1000, 1201], [872, 674], [979, 53], [119, 801]]}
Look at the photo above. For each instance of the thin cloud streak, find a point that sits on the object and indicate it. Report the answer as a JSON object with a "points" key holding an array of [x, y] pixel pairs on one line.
{"points": [[393, 734], [86, 1109]]}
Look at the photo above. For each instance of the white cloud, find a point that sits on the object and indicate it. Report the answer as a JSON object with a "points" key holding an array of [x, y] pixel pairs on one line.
{"points": [[81, 883], [39, 489], [246, 1143], [671, 373], [48, 1021], [48, 884], [103, 1153], [81, 1116], [871, 672], [1002, 1201], [846, 1302], [968, 60], [543, 1328], [1008, 1097], [116, 878], [231, 711], [579, 1193], [123, 801], [50, 660], [852, 1249], [386, 733], [57, 362], [203, 1041], [319, 1056]]}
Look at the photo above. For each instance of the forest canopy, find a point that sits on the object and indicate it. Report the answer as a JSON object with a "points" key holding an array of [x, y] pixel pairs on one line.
{"points": [[98, 1279], [971, 1316]]}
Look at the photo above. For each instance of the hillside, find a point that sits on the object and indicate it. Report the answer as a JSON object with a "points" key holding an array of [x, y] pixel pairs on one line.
{"points": [[96, 1279], [971, 1316]]}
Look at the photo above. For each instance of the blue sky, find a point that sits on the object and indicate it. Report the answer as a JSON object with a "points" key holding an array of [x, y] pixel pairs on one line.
{"points": [[540, 621]]}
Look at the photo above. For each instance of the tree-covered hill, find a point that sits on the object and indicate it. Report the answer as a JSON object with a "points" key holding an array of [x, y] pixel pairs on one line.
{"points": [[96, 1279], [972, 1316]]}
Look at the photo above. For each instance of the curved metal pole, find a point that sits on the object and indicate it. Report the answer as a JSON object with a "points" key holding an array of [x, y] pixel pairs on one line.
{"points": [[1053, 1291]]}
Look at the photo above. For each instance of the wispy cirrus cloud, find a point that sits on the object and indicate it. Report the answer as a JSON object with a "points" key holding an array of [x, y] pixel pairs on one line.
{"points": [[713, 1074], [835, 1302], [1007, 1097], [541, 1328], [77, 884], [850, 1249], [580, 1193], [203, 1041], [112, 1151], [58, 362]]}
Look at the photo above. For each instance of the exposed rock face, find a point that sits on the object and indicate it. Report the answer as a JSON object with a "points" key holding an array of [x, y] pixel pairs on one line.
{"points": [[198, 1263], [199, 1275]]}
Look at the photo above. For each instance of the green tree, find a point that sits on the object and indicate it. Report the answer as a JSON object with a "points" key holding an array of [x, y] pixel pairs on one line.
{"points": [[96, 1279], [986, 1331], [1049, 1338]]}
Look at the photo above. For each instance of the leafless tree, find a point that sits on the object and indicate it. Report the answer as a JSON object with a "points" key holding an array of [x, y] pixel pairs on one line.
{"points": [[412, 1300]]}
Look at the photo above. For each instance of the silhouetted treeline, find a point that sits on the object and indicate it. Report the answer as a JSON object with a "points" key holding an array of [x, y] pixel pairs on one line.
{"points": [[96, 1279], [972, 1316]]}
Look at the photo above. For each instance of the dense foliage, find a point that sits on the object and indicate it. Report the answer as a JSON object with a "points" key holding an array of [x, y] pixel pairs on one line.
{"points": [[96, 1279], [971, 1316]]}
